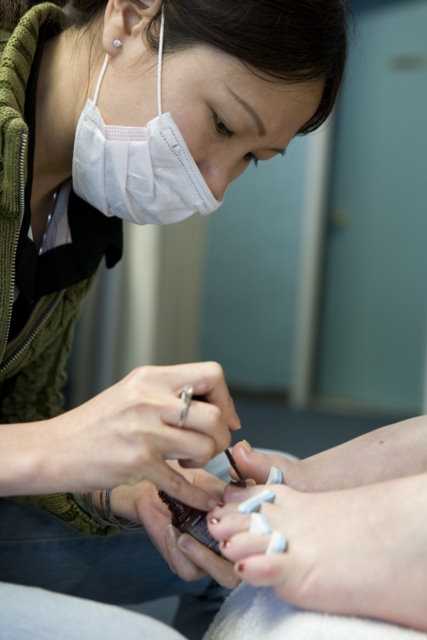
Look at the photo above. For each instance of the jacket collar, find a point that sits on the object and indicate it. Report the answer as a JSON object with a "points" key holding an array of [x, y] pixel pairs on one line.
{"points": [[17, 50]]}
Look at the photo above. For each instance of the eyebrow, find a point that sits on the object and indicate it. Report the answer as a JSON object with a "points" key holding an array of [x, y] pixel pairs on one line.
{"points": [[255, 117]]}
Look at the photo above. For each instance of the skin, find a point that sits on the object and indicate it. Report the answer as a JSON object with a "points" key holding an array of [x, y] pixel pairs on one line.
{"points": [[354, 520], [222, 136], [122, 437]]}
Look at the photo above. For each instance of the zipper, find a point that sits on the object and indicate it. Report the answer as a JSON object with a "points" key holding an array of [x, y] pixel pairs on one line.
{"points": [[53, 303], [33, 333], [21, 195]]}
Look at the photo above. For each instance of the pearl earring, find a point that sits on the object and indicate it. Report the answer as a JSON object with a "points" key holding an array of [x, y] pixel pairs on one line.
{"points": [[117, 43]]}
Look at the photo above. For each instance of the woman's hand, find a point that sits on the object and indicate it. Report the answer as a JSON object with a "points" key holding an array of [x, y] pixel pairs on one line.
{"points": [[357, 551], [124, 435], [186, 557]]}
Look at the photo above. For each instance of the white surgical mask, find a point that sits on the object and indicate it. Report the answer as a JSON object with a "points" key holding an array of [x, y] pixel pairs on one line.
{"points": [[145, 175]]}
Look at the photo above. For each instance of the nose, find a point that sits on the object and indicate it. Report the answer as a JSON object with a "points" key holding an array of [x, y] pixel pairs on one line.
{"points": [[218, 176], [217, 183]]}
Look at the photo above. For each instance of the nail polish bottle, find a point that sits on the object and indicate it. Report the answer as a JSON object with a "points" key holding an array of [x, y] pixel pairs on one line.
{"points": [[189, 520]]}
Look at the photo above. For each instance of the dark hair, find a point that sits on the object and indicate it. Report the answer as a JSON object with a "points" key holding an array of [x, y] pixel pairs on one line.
{"points": [[290, 40], [11, 10]]}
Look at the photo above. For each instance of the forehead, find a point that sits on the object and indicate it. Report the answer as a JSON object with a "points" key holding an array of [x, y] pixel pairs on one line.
{"points": [[206, 67]]}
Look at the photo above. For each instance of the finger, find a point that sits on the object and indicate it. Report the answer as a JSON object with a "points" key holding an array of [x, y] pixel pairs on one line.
{"points": [[184, 445], [164, 477], [208, 418], [179, 563], [202, 418], [217, 393], [207, 379], [219, 568]]}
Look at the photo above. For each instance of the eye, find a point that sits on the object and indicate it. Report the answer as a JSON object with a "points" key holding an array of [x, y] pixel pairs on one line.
{"points": [[220, 127]]}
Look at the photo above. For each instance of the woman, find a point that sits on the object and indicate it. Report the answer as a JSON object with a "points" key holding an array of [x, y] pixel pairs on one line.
{"points": [[141, 111], [352, 517]]}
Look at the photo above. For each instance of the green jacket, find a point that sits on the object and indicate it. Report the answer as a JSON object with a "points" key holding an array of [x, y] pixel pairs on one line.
{"points": [[32, 366]]}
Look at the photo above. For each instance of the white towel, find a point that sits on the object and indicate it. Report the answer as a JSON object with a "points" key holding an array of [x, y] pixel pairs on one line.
{"points": [[258, 614]]}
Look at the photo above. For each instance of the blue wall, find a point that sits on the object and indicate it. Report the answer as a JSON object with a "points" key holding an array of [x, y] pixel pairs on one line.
{"points": [[252, 266], [252, 254]]}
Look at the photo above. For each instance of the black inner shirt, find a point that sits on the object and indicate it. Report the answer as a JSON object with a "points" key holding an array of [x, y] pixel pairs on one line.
{"points": [[93, 234]]}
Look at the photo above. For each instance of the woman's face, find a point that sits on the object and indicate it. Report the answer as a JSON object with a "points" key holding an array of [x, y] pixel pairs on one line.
{"points": [[227, 115]]}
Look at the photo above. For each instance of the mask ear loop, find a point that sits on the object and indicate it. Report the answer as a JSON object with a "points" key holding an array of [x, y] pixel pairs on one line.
{"points": [[101, 75], [159, 68], [160, 63]]}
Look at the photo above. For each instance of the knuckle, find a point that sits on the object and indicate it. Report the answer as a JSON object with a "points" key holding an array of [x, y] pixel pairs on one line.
{"points": [[211, 373], [215, 370], [136, 463], [220, 430], [216, 418], [175, 483], [143, 374], [133, 387], [141, 388], [190, 573], [207, 449]]}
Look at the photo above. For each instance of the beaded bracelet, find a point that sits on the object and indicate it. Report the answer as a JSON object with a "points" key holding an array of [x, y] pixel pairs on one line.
{"points": [[104, 514]]}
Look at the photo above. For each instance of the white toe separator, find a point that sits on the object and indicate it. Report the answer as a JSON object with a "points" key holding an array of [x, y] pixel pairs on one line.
{"points": [[259, 524], [253, 504], [275, 476], [277, 544]]}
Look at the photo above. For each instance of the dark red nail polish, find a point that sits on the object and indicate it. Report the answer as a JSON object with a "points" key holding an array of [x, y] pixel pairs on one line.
{"points": [[240, 567]]}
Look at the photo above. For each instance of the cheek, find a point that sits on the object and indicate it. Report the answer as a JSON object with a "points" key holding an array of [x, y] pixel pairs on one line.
{"points": [[193, 128], [195, 140]]}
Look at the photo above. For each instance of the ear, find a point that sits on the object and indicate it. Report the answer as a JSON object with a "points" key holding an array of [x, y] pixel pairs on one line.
{"points": [[150, 7], [126, 18]]}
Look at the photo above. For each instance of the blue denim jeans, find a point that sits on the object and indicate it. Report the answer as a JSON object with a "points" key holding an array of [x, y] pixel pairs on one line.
{"points": [[39, 551], [27, 613]]}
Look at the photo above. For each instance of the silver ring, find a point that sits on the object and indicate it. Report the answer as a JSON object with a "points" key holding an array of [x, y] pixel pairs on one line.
{"points": [[185, 396]]}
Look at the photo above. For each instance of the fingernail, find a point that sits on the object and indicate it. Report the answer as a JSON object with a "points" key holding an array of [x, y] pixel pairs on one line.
{"points": [[240, 567], [237, 424], [214, 520], [185, 542], [171, 532], [245, 444], [213, 504]]}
